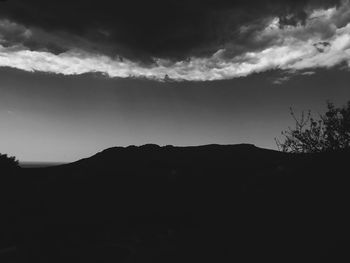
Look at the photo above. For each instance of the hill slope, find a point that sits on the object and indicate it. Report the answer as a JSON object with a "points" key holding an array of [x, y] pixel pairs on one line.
{"points": [[170, 204]]}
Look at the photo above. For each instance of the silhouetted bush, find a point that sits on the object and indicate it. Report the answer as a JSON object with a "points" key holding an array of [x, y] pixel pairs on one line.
{"points": [[331, 132], [7, 162]]}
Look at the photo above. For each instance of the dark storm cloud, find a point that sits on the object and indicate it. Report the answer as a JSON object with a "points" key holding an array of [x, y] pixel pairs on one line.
{"points": [[174, 40], [157, 28]]}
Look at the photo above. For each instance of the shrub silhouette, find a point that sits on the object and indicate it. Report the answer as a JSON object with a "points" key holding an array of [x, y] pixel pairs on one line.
{"points": [[329, 133], [7, 162]]}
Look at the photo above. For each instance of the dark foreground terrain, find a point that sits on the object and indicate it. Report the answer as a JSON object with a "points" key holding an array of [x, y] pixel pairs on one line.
{"points": [[210, 203]]}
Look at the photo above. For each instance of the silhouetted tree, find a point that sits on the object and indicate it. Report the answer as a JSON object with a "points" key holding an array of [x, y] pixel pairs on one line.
{"points": [[7, 162], [330, 132]]}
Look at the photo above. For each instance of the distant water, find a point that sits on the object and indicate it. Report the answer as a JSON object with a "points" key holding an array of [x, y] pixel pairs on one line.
{"points": [[37, 164]]}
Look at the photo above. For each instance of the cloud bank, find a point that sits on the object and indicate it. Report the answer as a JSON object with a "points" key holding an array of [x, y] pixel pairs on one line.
{"points": [[319, 38]]}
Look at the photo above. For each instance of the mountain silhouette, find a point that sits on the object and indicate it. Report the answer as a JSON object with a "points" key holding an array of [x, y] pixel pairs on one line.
{"points": [[153, 160], [169, 204]]}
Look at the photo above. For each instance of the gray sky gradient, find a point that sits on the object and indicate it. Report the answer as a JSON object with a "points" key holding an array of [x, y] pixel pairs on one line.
{"points": [[48, 117]]}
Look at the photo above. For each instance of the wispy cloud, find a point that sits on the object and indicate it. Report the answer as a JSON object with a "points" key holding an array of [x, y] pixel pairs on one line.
{"points": [[308, 73], [280, 80], [323, 41]]}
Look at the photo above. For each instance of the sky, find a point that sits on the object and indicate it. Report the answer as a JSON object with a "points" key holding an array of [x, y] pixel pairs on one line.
{"points": [[79, 77]]}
